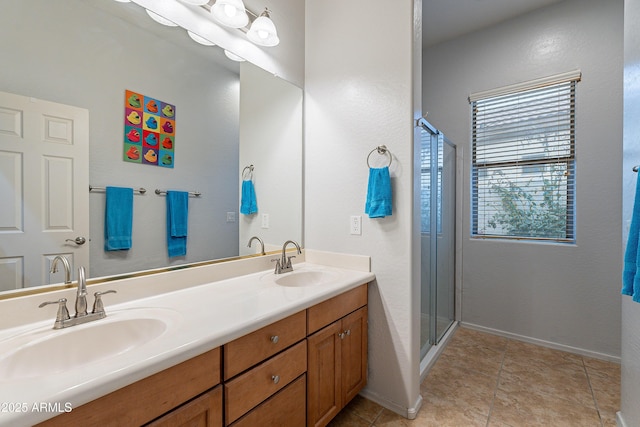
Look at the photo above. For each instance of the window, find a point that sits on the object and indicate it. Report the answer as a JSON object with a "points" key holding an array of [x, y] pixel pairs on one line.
{"points": [[523, 164]]}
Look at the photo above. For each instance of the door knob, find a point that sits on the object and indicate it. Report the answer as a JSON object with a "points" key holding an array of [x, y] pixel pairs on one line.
{"points": [[78, 240]]}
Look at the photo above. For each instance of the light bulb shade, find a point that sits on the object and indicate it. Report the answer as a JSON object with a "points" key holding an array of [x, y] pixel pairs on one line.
{"points": [[196, 2], [263, 31], [230, 13], [233, 56], [160, 19], [200, 39]]}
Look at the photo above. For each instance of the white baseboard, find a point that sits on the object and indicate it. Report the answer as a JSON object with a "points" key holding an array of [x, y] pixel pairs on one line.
{"points": [[543, 343], [619, 420], [410, 413]]}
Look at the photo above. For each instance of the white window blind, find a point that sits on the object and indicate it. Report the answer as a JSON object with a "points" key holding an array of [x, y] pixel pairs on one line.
{"points": [[523, 164]]}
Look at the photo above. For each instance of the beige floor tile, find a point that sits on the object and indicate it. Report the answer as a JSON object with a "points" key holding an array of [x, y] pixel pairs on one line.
{"points": [[474, 356], [523, 409], [433, 416], [517, 350], [461, 387], [608, 419], [569, 383], [347, 418], [604, 378], [364, 408], [471, 336]]}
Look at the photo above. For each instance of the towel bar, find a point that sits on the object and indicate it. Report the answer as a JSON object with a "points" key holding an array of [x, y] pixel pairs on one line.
{"points": [[191, 193], [140, 190]]}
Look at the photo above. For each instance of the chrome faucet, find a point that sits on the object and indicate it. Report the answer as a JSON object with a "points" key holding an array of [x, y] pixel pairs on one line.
{"points": [[64, 320], [283, 265], [65, 264], [261, 244]]}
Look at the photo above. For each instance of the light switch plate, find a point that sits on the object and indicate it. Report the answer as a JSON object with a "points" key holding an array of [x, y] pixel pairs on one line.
{"points": [[265, 220]]}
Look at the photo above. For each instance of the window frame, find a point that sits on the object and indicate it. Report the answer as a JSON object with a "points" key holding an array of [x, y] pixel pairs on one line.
{"points": [[535, 162]]}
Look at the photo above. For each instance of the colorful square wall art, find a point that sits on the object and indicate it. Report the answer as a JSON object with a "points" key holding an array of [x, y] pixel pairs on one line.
{"points": [[149, 130]]}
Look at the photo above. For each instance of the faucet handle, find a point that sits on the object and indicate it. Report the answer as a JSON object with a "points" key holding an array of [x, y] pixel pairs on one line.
{"points": [[63, 312], [278, 266], [98, 307], [289, 261]]}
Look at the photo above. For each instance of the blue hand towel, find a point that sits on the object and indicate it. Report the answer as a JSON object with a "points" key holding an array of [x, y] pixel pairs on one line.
{"points": [[630, 274], [379, 202], [118, 221], [248, 203], [177, 221]]}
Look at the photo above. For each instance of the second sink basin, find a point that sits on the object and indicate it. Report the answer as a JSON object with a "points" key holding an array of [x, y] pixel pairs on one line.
{"points": [[304, 278], [47, 351]]}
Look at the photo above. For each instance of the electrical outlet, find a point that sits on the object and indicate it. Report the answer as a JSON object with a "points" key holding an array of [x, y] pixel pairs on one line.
{"points": [[231, 217], [356, 225], [265, 220]]}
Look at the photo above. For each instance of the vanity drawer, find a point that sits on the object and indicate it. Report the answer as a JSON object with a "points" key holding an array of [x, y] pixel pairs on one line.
{"points": [[253, 387], [243, 353], [286, 408], [329, 311]]}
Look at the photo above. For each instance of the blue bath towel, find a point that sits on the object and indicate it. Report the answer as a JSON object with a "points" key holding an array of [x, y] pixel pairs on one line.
{"points": [[630, 274], [118, 219], [177, 222], [379, 201], [248, 203]]}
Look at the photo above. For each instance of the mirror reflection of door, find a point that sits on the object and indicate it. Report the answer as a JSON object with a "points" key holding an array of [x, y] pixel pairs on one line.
{"points": [[44, 194]]}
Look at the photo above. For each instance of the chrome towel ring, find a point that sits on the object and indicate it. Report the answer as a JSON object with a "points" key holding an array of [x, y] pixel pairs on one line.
{"points": [[382, 150], [250, 167]]}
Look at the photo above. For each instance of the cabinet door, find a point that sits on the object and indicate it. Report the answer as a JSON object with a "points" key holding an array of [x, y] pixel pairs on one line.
{"points": [[203, 411], [323, 375], [354, 354]]}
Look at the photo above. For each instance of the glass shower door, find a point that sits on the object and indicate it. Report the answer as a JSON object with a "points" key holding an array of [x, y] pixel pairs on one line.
{"points": [[437, 235]]}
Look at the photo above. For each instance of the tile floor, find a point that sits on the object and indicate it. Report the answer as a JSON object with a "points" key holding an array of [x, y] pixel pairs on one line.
{"points": [[485, 380]]}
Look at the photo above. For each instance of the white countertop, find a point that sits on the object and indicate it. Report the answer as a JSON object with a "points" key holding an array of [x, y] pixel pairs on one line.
{"points": [[203, 317]]}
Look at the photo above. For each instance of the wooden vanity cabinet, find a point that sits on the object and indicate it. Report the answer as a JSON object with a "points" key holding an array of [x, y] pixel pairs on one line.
{"points": [[300, 370], [151, 397], [337, 354]]}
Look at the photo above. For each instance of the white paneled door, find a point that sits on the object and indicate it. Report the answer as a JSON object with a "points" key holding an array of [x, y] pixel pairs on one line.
{"points": [[44, 189]]}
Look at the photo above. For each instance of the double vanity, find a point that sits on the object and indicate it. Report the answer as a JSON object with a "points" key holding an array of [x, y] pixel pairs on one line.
{"points": [[225, 344]]}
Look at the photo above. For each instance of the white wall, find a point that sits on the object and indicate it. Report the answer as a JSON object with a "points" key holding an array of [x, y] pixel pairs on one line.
{"points": [[73, 53], [567, 295], [271, 141], [359, 93], [629, 414]]}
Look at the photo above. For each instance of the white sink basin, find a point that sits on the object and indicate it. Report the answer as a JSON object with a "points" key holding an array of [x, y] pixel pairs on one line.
{"points": [[45, 351], [304, 278]]}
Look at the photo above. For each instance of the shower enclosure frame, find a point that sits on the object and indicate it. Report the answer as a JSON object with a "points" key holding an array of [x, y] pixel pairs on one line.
{"points": [[437, 330]]}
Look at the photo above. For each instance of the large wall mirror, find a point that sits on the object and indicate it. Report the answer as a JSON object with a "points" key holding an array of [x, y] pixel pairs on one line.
{"points": [[229, 115]]}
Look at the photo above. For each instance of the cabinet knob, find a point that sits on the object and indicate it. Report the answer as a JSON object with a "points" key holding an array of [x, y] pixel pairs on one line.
{"points": [[341, 335], [275, 339], [275, 378], [348, 332]]}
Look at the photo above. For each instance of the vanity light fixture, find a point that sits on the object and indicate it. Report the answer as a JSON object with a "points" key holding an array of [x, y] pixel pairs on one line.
{"points": [[200, 39], [233, 56], [160, 19], [230, 13], [196, 2], [263, 31]]}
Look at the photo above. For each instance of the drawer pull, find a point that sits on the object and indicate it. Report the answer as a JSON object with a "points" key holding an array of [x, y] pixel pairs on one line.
{"points": [[275, 378], [274, 339]]}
